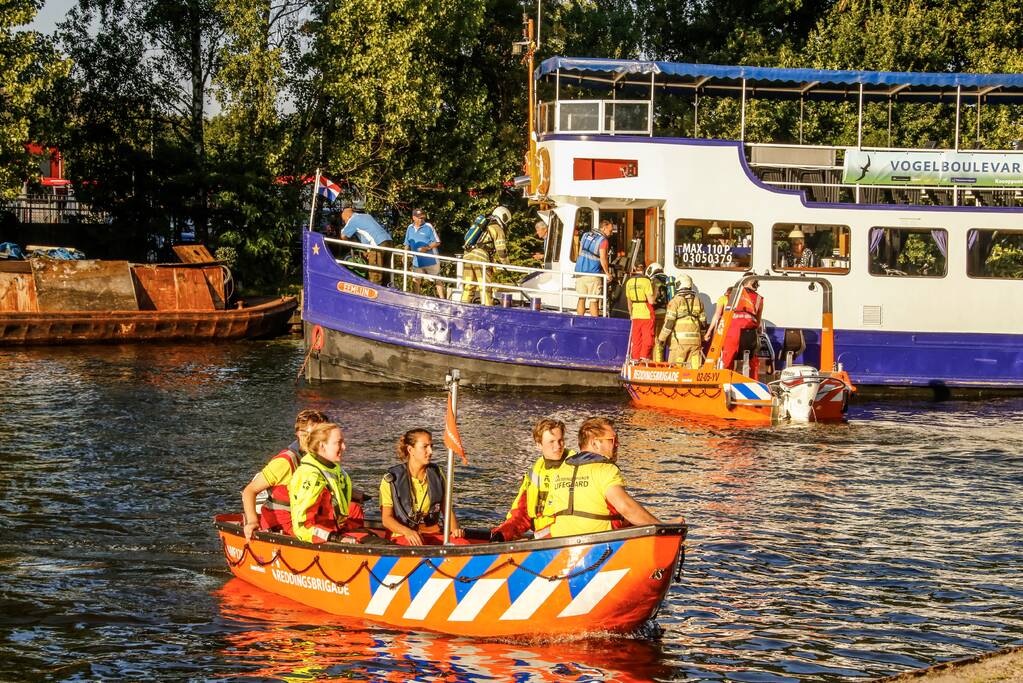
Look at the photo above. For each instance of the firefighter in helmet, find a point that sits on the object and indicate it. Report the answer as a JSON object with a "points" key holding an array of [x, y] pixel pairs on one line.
{"points": [[684, 322], [488, 246]]}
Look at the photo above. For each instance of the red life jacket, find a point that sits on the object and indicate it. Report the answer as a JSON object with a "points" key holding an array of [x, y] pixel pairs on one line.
{"points": [[749, 305], [275, 515]]}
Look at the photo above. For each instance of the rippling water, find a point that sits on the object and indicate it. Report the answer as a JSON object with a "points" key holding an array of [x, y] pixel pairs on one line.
{"points": [[815, 552]]}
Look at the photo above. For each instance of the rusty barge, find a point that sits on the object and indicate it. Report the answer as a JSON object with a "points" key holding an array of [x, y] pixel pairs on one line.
{"points": [[50, 301]]}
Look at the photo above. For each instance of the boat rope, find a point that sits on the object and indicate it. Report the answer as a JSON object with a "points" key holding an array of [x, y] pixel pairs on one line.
{"points": [[678, 391], [315, 344], [425, 562]]}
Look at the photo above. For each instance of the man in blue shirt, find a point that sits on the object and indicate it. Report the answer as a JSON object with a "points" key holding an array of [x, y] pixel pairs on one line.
{"points": [[592, 267], [371, 233], [421, 238]]}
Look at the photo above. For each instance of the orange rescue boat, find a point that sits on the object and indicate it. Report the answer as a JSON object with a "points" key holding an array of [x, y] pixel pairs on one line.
{"points": [[613, 581], [800, 393]]}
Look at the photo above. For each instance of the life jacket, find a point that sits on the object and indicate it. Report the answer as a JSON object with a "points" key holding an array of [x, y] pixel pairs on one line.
{"points": [[306, 487], [632, 292], [401, 495], [538, 488], [588, 260], [276, 510], [561, 500], [749, 305]]}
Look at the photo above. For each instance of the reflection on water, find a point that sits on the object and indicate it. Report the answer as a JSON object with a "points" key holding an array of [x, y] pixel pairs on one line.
{"points": [[815, 552], [276, 638]]}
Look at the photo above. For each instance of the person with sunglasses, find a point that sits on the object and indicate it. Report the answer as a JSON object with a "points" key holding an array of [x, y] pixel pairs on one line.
{"points": [[587, 493]]}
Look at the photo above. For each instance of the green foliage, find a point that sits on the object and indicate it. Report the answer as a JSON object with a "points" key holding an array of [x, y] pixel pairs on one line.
{"points": [[920, 255], [28, 67]]}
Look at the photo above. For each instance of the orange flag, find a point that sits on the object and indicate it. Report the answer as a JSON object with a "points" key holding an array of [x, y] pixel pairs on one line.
{"points": [[451, 438]]}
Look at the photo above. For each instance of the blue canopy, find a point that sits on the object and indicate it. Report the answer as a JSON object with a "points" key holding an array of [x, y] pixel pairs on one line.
{"points": [[773, 82]]}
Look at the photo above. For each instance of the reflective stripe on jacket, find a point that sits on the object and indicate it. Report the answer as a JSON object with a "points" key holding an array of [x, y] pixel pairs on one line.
{"points": [[276, 510], [684, 318]]}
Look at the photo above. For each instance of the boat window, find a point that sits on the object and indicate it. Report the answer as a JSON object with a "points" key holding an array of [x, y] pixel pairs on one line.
{"points": [[583, 222], [552, 247], [811, 247], [721, 244], [908, 252], [995, 254]]}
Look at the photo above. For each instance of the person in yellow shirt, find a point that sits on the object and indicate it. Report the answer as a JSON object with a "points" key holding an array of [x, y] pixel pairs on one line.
{"points": [[587, 491], [526, 512], [639, 292], [412, 494], [275, 514]]}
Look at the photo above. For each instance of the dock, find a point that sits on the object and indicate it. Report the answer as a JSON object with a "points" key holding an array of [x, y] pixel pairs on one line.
{"points": [[1003, 665]]}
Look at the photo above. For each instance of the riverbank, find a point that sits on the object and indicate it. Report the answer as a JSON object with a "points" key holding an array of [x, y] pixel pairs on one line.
{"points": [[1003, 665]]}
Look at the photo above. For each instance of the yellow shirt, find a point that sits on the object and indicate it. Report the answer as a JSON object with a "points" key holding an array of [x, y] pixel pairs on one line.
{"points": [[277, 472], [420, 495], [591, 484], [637, 289]]}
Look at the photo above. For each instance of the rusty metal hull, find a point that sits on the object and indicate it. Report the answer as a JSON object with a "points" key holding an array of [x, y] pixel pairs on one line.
{"points": [[265, 319]]}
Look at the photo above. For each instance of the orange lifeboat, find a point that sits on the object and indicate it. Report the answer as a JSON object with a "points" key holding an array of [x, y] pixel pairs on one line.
{"points": [[800, 393], [612, 581]]}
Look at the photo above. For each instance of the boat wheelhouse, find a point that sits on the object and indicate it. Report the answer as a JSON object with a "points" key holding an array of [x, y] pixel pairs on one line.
{"points": [[924, 246]]}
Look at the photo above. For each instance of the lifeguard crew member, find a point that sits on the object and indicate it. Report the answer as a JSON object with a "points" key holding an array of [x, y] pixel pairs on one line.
{"points": [[639, 292], [590, 264], [526, 512], [366, 228], [742, 334], [275, 515], [320, 490], [412, 494], [684, 322], [490, 245], [589, 484]]}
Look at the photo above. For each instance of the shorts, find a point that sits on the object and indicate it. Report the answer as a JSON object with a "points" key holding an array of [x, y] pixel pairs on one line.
{"points": [[588, 284], [429, 270]]}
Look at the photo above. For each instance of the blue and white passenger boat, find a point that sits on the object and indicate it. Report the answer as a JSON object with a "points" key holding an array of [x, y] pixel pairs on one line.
{"points": [[918, 243]]}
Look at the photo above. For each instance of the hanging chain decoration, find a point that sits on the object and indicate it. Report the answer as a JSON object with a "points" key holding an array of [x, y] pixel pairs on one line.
{"points": [[425, 562], [675, 391]]}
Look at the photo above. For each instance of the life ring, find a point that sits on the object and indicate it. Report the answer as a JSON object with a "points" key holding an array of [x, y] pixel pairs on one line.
{"points": [[316, 340], [543, 171]]}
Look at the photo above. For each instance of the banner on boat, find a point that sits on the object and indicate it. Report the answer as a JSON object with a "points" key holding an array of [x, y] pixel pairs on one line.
{"points": [[870, 167]]}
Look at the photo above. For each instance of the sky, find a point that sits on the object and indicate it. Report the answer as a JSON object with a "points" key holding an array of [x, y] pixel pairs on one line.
{"points": [[52, 12]]}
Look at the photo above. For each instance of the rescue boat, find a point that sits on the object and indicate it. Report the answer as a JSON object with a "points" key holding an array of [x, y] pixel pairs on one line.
{"points": [[798, 393], [607, 582]]}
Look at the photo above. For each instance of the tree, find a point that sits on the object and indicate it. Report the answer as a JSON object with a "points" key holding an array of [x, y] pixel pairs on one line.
{"points": [[28, 66]]}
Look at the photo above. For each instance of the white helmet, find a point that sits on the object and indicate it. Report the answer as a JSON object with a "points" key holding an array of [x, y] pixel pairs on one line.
{"points": [[653, 269], [502, 215], [685, 282]]}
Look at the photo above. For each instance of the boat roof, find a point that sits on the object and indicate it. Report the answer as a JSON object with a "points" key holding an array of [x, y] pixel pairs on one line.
{"points": [[786, 83]]}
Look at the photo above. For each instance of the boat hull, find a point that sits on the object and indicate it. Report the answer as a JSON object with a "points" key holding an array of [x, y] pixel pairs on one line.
{"points": [[377, 334], [266, 319], [608, 582], [729, 395]]}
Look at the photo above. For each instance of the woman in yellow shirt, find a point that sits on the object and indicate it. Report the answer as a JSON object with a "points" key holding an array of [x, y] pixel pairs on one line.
{"points": [[412, 494]]}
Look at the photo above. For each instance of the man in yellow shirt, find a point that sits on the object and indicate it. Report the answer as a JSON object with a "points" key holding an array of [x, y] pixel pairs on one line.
{"points": [[587, 492], [639, 291]]}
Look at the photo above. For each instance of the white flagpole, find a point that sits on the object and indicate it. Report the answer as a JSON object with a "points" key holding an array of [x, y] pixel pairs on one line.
{"points": [[312, 204], [452, 382]]}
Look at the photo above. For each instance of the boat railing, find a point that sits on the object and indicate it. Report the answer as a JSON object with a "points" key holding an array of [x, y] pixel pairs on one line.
{"points": [[402, 276]]}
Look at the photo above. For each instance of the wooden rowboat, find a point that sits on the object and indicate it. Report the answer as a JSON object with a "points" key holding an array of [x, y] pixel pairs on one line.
{"points": [[606, 582]]}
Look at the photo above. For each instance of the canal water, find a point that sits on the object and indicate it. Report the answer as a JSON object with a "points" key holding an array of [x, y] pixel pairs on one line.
{"points": [[816, 553]]}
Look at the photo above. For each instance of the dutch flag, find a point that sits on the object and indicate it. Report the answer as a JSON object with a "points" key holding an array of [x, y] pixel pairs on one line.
{"points": [[328, 188]]}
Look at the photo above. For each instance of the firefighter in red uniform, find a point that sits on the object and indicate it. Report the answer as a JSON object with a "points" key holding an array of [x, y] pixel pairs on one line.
{"points": [[741, 335]]}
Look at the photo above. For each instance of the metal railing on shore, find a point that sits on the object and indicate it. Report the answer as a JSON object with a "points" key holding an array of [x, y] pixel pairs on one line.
{"points": [[50, 209], [404, 277]]}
